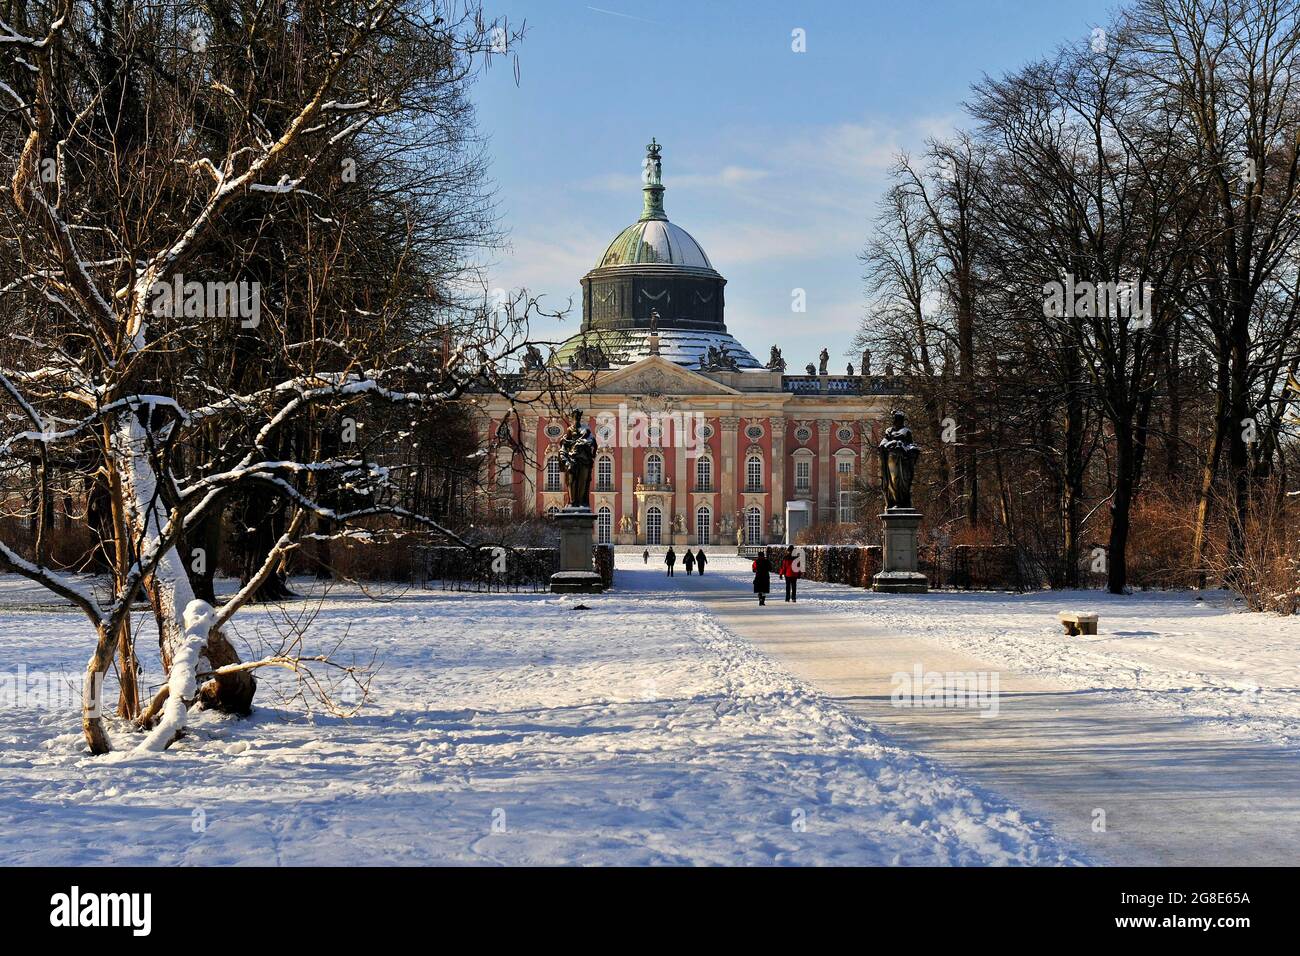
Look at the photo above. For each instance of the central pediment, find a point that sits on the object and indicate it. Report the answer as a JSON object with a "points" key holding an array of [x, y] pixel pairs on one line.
{"points": [[656, 375]]}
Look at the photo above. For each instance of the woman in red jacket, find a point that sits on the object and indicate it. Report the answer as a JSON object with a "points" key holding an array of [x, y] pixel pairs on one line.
{"points": [[791, 568]]}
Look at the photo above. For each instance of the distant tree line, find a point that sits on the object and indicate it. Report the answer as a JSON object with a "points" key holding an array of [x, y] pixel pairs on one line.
{"points": [[1093, 289]]}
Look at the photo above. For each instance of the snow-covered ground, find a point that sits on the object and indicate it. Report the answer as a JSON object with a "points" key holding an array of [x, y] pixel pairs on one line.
{"points": [[1207, 659], [503, 729]]}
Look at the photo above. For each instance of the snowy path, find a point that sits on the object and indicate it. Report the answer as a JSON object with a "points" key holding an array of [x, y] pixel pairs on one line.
{"points": [[1176, 788]]}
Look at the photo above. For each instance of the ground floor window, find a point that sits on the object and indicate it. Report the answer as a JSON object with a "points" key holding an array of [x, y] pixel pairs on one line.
{"points": [[604, 526], [653, 524], [754, 526], [703, 524]]}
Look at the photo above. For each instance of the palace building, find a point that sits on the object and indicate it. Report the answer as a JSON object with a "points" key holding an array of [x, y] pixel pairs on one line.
{"points": [[700, 443]]}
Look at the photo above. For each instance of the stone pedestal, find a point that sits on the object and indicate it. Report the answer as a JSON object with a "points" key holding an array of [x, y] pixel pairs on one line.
{"points": [[898, 573], [576, 574]]}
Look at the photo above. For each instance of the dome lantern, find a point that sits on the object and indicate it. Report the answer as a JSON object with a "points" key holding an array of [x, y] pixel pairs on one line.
{"points": [[653, 176]]}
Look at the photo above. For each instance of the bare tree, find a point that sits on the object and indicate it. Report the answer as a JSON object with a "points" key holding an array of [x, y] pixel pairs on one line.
{"points": [[143, 151]]}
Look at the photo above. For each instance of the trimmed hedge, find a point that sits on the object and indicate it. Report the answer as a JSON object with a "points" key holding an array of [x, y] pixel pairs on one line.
{"points": [[967, 567], [525, 568]]}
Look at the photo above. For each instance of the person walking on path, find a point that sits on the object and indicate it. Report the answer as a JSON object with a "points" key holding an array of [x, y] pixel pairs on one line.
{"points": [[700, 561], [670, 559], [762, 577], [689, 560], [645, 556], [790, 570]]}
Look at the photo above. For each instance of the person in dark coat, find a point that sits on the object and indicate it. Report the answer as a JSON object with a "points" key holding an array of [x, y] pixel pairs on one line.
{"points": [[689, 560], [670, 559], [701, 561], [762, 577], [645, 556], [790, 572]]}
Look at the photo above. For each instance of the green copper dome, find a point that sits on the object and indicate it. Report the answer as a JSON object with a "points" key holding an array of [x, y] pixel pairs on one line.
{"points": [[655, 242]]}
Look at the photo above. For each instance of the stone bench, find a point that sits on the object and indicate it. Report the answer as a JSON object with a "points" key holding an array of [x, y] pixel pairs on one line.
{"points": [[1078, 622]]}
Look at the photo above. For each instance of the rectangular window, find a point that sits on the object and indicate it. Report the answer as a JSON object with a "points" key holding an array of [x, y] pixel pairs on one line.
{"points": [[803, 475], [844, 469]]}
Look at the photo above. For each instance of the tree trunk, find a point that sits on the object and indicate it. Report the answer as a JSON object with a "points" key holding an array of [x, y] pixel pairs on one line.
{"points": [[92, 721], [1204, 501], [1121, 505], [1240, 417], [169, 586], [1072, 489]]}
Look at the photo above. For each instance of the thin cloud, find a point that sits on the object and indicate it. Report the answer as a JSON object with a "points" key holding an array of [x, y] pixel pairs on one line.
{"points": [[625, 16]]}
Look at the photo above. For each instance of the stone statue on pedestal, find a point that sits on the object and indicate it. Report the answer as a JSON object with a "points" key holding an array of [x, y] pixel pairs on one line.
{"points": [[898, 454], [900, 552], [578, 459]]}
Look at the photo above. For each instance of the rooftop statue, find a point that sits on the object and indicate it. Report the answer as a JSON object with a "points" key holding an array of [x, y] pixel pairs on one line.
{"points": [[588, 356], [823, 359], [776, 363], [718, 359]]}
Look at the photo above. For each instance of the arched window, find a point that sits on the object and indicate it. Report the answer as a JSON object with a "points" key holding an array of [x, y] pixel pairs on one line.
{"points": [[703, 525], [604, 473], [704, 473], [552, 511], [604, 525], [553, 473], [653, 524], [754, 473], [654, 469], [754, 526]]}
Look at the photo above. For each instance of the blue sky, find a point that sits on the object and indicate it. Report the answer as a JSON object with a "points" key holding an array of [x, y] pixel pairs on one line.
{"points": [[773, 160]]}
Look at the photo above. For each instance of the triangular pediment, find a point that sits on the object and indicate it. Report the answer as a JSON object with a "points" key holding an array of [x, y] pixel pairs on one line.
{"points": [[655, 375]]}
